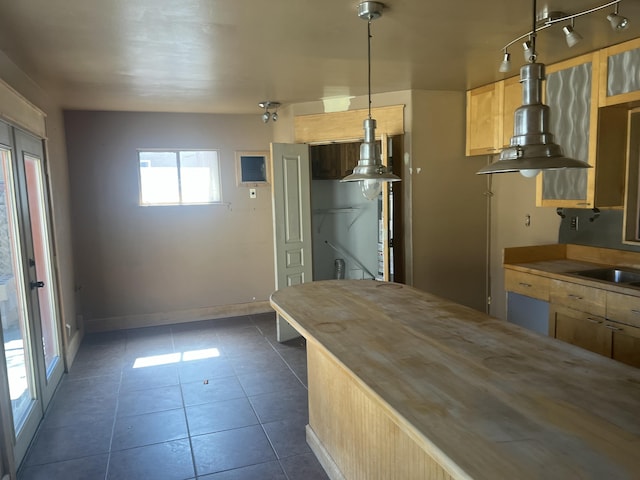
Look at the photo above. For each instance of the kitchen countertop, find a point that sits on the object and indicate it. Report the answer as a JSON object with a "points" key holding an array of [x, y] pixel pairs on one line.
{"points": [[561, 261], [487, 399]]}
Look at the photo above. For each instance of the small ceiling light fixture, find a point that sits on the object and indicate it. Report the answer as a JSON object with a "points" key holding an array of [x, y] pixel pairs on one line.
{"points": [[370, 171], [267, 115], [532, 147], [618, 23], [505, 65], [571, 36]]}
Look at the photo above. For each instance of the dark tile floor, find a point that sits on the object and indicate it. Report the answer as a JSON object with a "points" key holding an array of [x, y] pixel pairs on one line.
{"points": [[214, 400]]}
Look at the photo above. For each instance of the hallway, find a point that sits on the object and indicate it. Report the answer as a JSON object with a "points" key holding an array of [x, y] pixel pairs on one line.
{"points": [[212, 400]]}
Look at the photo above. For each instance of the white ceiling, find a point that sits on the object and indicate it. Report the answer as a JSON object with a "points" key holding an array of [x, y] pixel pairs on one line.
{"points": [[224, 56]]}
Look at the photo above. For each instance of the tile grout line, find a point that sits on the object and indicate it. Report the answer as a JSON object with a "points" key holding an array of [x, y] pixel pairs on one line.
{"points": [[184, 411], [115, 419]]}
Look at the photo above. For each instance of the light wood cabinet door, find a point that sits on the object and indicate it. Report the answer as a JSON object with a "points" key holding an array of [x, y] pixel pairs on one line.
{"points": [[617, 84], [581, 329], [484, 120], [586, 133], [534, 286], [625, 343], [578, 297], [623, 308]]}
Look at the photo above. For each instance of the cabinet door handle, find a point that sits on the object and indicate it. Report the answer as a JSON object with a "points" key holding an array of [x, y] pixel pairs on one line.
{"points": [[637, 312], [611, 327], [574, 296], [594, 320], [522, 284]]}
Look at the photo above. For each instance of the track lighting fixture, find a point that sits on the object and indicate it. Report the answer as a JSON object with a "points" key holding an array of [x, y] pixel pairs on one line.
{"points": [[617, 21], [529, 54], [532, 146], [505, 65], [370, 171], [267, 115], [571, 36]]}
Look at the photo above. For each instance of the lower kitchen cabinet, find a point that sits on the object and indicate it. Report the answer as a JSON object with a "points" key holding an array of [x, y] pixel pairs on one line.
{"points": [[625, 344], [581, 329]]}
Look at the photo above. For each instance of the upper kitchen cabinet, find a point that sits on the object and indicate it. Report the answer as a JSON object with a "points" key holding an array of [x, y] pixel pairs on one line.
{"points": [[484, 119], [620, 73], [333, 161], [490, 116], [587, 133]]}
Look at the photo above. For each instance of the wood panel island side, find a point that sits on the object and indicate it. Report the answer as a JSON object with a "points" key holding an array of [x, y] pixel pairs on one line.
{"points": [[407, 385]]}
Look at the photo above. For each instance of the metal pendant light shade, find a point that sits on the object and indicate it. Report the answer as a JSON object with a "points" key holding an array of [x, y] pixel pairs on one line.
{"points": [[370, 171], [532, 147]]}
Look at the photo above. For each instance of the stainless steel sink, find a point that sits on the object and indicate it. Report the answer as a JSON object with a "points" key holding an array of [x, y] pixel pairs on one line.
{"points": [[614, 275]]}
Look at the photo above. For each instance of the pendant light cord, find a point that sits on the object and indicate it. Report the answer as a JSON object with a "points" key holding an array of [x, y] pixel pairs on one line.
{"points": [[369, 62], [533, 33]]}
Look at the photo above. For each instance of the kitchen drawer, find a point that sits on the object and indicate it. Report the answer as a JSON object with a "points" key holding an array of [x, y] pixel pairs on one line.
{"points": [[623, 308], [579, 297], [533, 286]]}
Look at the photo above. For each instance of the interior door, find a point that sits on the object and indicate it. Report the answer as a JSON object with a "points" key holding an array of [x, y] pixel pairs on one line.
{"points": [[31, 351], [291, 183], [39, 249]]}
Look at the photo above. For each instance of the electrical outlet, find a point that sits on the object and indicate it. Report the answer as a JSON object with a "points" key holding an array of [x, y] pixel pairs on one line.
{"points": [[574, 223], [253, 193]]}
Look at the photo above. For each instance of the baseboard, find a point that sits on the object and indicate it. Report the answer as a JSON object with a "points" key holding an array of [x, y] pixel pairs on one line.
{"points": [[169, 318], [72, 348], [330, 467]]}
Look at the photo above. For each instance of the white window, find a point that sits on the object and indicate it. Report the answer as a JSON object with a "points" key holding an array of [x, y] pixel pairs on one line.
{"points": [[179, 177]]}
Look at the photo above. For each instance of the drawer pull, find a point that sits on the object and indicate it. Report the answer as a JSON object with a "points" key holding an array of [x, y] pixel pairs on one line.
{"points": [[616, 329], [522, 284], [594, 320], [637, 312], [574, 296]]}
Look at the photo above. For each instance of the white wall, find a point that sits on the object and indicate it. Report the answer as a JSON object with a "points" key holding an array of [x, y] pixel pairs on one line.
{"points": [[151, 265], [514, 198]]}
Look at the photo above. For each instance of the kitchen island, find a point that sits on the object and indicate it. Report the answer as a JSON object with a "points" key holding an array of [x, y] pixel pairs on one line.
{"points": [[407, 385]]}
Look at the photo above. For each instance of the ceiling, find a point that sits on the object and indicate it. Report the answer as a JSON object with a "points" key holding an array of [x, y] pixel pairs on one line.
{"points": [[225, 56]]}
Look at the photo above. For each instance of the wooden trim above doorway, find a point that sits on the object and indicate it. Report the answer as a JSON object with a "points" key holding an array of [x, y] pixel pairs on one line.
{"points": [[343, 126]]}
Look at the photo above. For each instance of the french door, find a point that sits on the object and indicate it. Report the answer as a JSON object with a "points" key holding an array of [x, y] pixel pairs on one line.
{"points": [[28, 306]]}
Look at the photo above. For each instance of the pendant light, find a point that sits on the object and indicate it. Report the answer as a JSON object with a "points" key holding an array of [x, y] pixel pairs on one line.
{"points": [[370, 171], [532, 146]]}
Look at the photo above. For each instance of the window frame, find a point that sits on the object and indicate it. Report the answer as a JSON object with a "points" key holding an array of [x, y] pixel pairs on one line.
{"points": [[177, 152]]}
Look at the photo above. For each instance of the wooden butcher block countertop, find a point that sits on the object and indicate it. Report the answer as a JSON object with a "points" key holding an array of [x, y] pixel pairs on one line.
{"points": [[485, 398]]}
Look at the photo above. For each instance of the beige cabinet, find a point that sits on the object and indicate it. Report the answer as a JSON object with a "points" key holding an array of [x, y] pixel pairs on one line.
{"points": [[598, 320], [581, 329], [623, 320], [484, 120], [534, 286], [617, 84], [490, 112], [585, 132]]}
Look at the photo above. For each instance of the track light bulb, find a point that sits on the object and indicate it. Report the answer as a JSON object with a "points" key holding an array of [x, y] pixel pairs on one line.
{"points": [[265, 117], [571, 36], [274, 116], [505, 65]]}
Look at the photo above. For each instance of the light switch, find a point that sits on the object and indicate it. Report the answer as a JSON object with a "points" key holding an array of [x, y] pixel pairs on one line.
{"points": [[252, 193]]}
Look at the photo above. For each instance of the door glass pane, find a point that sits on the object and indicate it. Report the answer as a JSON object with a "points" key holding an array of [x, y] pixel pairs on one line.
{"points": [[13, 311], [43, 259]]}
